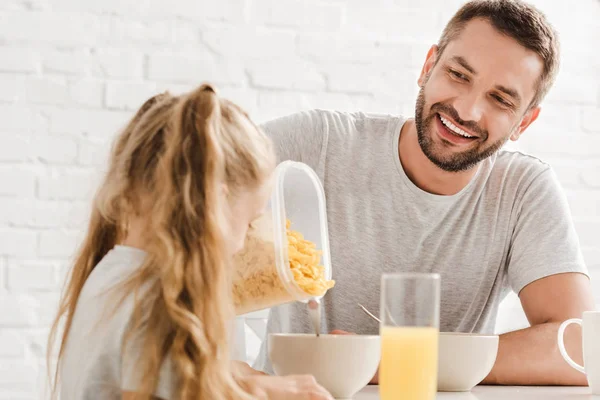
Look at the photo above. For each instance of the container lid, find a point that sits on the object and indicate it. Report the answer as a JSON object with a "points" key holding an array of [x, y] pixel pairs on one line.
{"points": [[298, 196]]}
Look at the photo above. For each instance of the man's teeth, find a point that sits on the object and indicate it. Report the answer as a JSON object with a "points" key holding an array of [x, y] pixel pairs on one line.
{"points": [[454, 128]]}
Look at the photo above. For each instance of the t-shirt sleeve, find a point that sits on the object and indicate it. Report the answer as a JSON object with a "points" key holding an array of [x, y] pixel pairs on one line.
{"points": [[131, 374], [544, 241], [298, 137]]}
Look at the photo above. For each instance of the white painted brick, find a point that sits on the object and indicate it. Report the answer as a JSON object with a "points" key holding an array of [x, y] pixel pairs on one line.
{"points": [[55, 149], [275, 104], [423, 23], [37, 5], [227, 10], [288, 75], [567, 143], [10, 5], [19, 119], [118, 63], [177, 89], [47, 307], [37, 340], [587, 230], [33, 213], [56, 28], [128, 96], [591, 119], [68, 185], [8, 395], [55, 214], [125, 30], [595, 283], [106, 6], [583, 203], [97, 123], [591, 176], [47, 91], [342, 101], [186, 32], [17, 310], [250, 43], [592, 257], [245, 98], [580, 62], [87, 92], [18, 376], [224, 10], [386, 103], [32, 275], [64, 271], [569, 173], [552, 119], [194, 70], [12, 344], [66, 61], [416, 54], [17, 181], [13, 88], [17, 243], [3, 267], [571, 89], [58, 244], [94, 152], [15, 211], [369, 79], [339, 48], [297, 13], [15, 59], [15, 147]]}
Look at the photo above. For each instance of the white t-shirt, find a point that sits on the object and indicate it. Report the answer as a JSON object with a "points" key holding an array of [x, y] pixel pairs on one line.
{"points": [[508, 227], [93, 366]]}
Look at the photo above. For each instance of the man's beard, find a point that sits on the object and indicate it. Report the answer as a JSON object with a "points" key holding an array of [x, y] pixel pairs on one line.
{"points": [[451, 162]]}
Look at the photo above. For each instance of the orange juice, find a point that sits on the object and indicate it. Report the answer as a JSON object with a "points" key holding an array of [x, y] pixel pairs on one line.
{"points": [[409, 363]]}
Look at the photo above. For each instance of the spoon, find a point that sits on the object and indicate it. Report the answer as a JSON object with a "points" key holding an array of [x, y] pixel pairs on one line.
{"points": [[314, 310], [389, 317], [369, 313]]}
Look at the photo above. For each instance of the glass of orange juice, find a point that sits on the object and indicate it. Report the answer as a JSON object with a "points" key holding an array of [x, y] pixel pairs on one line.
{"points": [[410, 314]]}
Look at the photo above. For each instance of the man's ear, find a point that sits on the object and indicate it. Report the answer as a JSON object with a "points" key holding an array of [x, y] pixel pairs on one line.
{"points": [[429, 64], [527, 120]]}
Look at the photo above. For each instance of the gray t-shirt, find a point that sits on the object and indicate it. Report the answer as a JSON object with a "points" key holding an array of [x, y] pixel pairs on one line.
{"points": [[507, 228], [93, 364]]}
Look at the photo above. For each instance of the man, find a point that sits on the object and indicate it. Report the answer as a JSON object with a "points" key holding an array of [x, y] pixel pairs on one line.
{"points": [[437, 194]]}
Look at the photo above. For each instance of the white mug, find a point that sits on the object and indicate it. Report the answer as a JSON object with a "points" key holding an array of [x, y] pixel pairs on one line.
{"points": [[590, 325]]}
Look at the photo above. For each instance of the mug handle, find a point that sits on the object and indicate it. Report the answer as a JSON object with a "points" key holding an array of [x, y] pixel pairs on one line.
{"points": [[561, 343]]}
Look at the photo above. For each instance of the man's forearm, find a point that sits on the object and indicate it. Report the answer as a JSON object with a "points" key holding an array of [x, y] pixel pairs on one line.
{"points": [[531, 357]]}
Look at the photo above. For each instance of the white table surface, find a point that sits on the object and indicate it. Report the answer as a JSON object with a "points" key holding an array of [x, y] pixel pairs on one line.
{"points": [[500, 393]]}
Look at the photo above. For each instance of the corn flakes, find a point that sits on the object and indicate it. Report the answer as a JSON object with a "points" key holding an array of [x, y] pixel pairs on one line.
{"points": [[256, 282]]}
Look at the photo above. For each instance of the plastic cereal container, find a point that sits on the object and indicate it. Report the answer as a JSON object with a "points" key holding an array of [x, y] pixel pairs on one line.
{"points": [[286, 254]]}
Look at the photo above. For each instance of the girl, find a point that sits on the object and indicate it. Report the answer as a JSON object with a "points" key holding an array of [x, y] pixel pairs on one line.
{"points": [[148, 305]]}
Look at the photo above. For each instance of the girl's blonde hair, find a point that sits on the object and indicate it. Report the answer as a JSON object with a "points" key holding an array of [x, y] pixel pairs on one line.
{"points": [[169, 166]]}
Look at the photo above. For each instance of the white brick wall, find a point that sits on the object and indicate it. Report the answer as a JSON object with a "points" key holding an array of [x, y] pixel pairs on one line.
{"points": [[72, 72]]}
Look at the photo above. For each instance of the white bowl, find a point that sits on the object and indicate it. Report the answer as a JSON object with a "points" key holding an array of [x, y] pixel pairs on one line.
{"points": [[342, 364], [465, 360]]}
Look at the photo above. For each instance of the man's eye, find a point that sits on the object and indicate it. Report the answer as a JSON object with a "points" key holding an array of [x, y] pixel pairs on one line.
{"points": [[501, 101], [458, 75]]}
